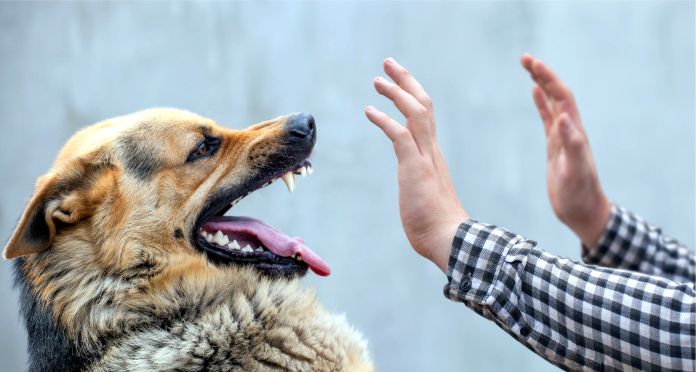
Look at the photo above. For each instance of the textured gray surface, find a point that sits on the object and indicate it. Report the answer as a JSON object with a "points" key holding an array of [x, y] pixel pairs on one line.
{"points": [[63, 66]]}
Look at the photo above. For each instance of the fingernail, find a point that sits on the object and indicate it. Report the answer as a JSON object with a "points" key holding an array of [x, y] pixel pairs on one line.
{"points": [[390, 60], [378, 79], [370, 109]]}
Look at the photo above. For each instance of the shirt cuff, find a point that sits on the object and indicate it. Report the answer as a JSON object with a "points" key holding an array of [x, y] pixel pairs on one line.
{"points": [[478, 252], [620, 222]]}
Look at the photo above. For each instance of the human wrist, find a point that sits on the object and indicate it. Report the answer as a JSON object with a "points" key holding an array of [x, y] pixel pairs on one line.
{"points": [[592, 227], [440, 252]]}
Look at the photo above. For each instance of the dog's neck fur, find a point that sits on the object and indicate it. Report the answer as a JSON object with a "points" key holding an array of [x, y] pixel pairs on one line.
{"points": [[70, 306], [79, 317], [48, 345]]}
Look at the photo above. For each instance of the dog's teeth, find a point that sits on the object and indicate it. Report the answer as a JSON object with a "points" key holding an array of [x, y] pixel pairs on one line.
{"points": [[303, 172], [233, 245], [258, 250], [217, 237], [220, 238], [289, 180], [310, 170], [247, 249], [208, 236], [298, 257]]}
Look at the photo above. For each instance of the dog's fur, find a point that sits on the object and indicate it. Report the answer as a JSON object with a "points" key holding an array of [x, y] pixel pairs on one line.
{"points": [[110, 279]]}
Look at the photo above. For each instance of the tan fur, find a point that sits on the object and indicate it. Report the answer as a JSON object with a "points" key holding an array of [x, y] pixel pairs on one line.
{"points": [[122, 284]]}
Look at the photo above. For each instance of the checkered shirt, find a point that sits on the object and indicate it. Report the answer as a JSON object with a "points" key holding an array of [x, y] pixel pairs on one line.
{"points": [[635, 312]]}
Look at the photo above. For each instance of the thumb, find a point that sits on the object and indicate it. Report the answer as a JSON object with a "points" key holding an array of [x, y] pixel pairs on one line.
{"points": [[572, 140]]}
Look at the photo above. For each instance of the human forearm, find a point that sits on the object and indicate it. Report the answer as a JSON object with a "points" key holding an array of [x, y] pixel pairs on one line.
{"points": [[574, 315], [629, 242]]}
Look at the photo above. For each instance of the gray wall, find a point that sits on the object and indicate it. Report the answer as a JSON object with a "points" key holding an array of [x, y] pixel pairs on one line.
{"points": [[63, 66]]}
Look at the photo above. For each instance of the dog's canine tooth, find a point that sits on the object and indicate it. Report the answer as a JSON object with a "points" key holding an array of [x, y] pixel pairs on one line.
{"points": [[303, 172], [208, 236], [247, 249], [234, 244], [310, 170], [289, 180]]}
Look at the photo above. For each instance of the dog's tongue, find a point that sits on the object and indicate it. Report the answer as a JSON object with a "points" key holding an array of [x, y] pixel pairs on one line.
{"points": [[271, 238]]}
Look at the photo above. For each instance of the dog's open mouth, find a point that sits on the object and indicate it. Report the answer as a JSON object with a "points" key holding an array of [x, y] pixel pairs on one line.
{"points": [[249, 241]]}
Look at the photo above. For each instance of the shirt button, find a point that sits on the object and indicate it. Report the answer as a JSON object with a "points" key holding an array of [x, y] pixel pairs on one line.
{"points": [[465, 285]]}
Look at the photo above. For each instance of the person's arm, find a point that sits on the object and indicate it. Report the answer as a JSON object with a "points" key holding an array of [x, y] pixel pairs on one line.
{"points": [[611, 236], [571, 314], [629, 242], [574, 315]]}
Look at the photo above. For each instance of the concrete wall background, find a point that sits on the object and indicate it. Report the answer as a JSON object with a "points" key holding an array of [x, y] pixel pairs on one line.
{"points": [[631, 65]]}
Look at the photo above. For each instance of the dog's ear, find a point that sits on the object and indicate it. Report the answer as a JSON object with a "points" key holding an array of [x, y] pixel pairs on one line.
{"points": [[57, 201]]}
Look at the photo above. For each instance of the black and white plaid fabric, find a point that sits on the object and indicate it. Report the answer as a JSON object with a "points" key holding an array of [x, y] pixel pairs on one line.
{"points": [[579, 316], [632, 244]]}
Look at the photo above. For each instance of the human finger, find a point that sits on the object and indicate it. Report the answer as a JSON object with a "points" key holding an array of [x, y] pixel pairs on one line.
{"points": [[543, 107], [404, 144], [403, 78], [405, 102]]}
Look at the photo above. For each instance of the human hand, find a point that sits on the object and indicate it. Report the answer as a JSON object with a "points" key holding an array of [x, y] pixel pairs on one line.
{"points": [[573, 185], [428, 204]]}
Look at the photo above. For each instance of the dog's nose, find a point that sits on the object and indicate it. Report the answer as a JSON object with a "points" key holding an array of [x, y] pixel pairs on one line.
{"points": [[301, 125]]}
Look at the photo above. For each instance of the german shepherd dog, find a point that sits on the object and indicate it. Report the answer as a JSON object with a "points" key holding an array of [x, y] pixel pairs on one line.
{"points": [[125, 260]]}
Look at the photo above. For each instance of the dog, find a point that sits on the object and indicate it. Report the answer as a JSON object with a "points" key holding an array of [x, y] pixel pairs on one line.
{"points": [[125, 260]]}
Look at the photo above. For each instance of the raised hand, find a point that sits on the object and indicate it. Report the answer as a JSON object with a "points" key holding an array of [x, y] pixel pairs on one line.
{"points": [[573, 185], [429, 207]]}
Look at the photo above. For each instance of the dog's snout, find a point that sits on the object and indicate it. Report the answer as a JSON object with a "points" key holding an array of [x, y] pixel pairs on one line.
{"points": [[301, 125]]}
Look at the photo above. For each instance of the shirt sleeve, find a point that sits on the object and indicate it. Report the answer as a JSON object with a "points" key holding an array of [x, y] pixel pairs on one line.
{"points": [[630, 243], [577, 316]]}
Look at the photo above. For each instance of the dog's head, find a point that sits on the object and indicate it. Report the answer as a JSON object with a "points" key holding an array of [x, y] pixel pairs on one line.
{"points": [[155, 185]]}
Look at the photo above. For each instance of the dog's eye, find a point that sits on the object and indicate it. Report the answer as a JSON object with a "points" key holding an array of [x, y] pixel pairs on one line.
{"points": [[206, 148], [201, 150]]}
